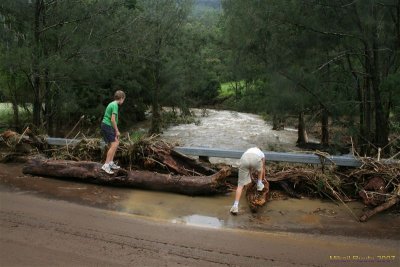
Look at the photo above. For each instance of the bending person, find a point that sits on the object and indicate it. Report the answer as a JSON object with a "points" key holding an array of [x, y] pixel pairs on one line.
{"points": [[252, 159]]}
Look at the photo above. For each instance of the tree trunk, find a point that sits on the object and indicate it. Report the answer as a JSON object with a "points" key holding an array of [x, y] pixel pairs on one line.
{"points": [[368, 112], [48, 98], [48, 106], [325, 127], [90, 172], [14, 102], [301, 131], [362, 144], [16, 116], [237, 92], [156, 119], [37, 103], [381, 119]]}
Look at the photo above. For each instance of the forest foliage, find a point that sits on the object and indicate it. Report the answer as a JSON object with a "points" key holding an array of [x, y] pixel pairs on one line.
{"points": [[333, 63]]}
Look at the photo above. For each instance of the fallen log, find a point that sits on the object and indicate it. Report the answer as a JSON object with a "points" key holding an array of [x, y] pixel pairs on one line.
{"points": [[368, 214], [90, 172], [391, 202], [148, 154]]}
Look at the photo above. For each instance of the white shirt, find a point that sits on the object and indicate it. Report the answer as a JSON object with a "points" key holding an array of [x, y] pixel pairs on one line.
{"points": [[255, 150]]}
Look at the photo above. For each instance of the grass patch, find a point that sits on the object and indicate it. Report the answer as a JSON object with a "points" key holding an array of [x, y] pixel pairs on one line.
{"points": [[228, 88], [6, 115], [5, 110], [136, 136]]}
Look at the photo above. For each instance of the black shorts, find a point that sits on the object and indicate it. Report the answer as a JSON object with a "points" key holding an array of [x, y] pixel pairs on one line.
{"points": [[108, 133]]}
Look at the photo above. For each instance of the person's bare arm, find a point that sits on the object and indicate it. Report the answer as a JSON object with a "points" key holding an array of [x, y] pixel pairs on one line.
{"points": [[262, 173], [114, 123]]}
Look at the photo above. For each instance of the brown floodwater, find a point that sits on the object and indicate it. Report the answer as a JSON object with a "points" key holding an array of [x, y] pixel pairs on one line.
{"points": [[281, 214], [231, 130]]}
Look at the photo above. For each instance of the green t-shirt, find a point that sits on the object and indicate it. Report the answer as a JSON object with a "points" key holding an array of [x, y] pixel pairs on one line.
{"points": [[112, 108]]}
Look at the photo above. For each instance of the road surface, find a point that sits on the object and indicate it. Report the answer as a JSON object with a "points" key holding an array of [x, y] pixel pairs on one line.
{"points": [[36, 231]]}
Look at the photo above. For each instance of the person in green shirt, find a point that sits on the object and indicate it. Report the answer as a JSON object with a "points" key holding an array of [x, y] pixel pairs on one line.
{"points": [[110, 132]]}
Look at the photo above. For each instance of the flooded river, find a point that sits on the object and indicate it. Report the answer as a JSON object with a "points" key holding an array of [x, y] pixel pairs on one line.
{"points": [[220, 129], [231, 130]]}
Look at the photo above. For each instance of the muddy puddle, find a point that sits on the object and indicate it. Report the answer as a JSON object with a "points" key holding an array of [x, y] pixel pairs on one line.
{"points": [[282, 214]]}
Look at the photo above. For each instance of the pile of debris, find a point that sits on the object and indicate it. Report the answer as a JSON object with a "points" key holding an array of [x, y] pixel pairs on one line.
{"points": [[151, 163], [375, 183]]}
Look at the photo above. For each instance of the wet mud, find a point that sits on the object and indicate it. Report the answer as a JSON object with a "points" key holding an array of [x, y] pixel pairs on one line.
{"points": [[280, 214]]}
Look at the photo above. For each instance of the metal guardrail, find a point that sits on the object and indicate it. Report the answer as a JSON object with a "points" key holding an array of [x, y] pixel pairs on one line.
{"points": [[55, 141], [347, 160]]}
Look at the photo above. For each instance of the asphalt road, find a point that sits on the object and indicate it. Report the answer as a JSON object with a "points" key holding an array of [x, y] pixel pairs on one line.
{"points": [[36, 231]]}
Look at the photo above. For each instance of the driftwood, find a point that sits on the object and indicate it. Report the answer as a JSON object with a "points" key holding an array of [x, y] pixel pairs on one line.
{"points": [[374, 192], [289, 190], [19, 148], [368, 214], [148, 154], [381, 188], [160, 154], [23, 143], [257, 199], [167, 170], [91, 172]]}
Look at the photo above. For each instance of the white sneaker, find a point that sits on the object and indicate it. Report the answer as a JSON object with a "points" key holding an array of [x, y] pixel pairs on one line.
{"points": [[234, 210], [114, 166], [260, 186], [107, 169]]}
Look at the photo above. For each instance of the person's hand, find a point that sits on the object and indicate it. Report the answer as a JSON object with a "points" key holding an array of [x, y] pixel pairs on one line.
{"points": [[117, 133]]}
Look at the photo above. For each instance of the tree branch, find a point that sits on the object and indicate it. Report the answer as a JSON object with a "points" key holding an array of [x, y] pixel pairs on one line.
{"points": [[304, 88], [87, 17], [339, 34], [342, 54]]}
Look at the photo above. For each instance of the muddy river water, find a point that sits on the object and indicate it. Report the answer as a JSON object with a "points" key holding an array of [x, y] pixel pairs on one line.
{"points": [[220, 129], [232, 130]]}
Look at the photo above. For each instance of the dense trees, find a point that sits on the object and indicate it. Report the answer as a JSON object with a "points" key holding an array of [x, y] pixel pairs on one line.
{"points": [[68, 57], [59, 51], [340, 57], [333, 61]]}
